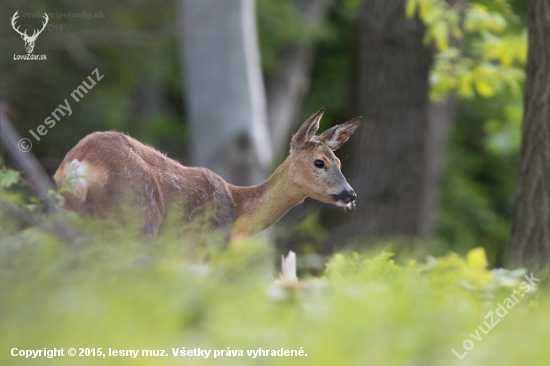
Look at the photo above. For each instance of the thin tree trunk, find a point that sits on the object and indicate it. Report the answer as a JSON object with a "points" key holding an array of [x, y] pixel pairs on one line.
{"points": [[37, 179], [146, 100], [24, 159], [287, 88], [530, 238], [387, 154], [440, 117], [224, 88]]}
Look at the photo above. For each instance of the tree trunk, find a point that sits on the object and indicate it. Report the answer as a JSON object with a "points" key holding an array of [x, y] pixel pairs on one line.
{"points": [[287, 88], [440, 118], [387, 156], [224, 88], [25, 160], [530, 238]]}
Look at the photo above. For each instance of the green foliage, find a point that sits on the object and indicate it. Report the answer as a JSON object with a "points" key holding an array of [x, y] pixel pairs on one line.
{"points": [[110, 292], [11, 187], [8, 177], [504, 136], [468, 76], [479, 19], [489, 58], [355, 266], [307, 232], [441, 20], [483, 63]]}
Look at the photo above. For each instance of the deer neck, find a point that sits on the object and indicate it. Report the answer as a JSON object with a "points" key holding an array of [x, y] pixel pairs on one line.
{"points": [[262, 205]]}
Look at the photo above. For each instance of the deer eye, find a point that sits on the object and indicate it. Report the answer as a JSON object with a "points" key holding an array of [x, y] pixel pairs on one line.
{"points": [[319, 163]]}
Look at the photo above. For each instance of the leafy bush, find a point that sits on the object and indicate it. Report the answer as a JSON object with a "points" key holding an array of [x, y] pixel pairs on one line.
{"points": [[107, 291]]}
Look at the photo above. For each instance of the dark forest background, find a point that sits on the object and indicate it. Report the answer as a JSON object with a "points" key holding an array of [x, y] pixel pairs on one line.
{"points": [[440, 85]]}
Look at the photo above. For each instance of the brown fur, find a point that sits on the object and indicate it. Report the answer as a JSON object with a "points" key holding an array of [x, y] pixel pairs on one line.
{"points": [[109, 174]]}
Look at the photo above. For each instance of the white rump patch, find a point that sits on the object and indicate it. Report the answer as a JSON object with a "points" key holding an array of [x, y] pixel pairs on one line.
{"points": [[76, 177]]}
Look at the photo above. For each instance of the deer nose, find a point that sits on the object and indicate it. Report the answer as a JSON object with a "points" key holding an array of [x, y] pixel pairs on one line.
{"points": [[346, 196]]}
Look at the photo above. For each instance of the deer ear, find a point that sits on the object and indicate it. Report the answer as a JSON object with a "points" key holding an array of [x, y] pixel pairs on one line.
{"points": [[336, 136], [308, 130]]}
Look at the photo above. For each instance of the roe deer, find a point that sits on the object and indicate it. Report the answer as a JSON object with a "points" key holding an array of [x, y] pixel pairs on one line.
{"points": [[114, 175]]}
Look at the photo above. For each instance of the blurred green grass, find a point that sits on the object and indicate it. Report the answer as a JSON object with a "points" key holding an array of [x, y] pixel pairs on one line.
{"points": [[112, 292]]}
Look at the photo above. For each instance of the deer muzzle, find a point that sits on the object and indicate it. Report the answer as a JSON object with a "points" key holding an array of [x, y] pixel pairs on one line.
{"points": [[346, 197]]}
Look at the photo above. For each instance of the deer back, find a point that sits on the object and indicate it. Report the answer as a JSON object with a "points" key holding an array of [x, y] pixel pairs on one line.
{"points": [[109, 174]]}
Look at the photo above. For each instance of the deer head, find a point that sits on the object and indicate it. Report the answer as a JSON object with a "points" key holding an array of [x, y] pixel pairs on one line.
{"points": [[29, 40], [315, 168]]}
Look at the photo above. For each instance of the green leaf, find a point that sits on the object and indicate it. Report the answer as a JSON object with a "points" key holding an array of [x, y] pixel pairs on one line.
{"points": [[484, 88], [410, 8], [441, 35], [8, 178]]}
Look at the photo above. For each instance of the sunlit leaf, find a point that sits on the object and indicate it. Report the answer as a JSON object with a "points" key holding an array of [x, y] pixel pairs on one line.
{"points": [[477, 259], [484, 88]]}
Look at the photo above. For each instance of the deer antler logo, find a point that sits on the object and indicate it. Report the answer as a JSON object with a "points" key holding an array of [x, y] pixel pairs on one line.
{"points": [[29, 40]]}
